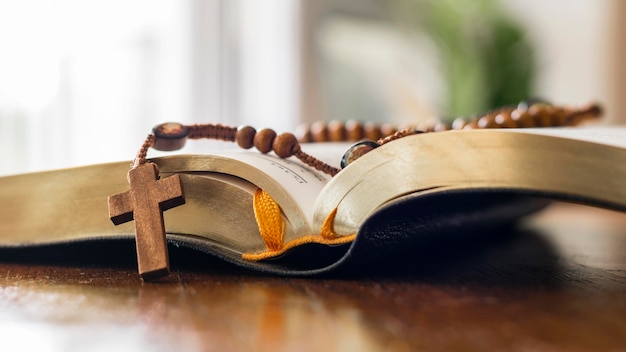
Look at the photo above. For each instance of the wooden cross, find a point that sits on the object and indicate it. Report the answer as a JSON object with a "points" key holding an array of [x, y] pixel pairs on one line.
{"points": [[145, 202]]}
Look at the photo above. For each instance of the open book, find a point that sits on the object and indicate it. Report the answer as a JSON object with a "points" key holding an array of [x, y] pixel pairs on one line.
{"points": [[433, 184]]}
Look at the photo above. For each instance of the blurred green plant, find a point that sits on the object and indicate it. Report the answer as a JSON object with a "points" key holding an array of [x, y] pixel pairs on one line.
{"points": [[485, 58]]}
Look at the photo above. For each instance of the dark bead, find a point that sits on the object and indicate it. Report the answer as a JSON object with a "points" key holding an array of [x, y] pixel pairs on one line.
{"points": [[356, 151], [264, 140], [170, 136]]}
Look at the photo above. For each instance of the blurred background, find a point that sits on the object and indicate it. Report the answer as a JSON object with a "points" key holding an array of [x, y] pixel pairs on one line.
{"points": [[83, 82]]}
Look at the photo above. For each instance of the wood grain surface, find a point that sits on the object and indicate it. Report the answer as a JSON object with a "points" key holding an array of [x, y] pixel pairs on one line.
{"points": [[558, 283]]}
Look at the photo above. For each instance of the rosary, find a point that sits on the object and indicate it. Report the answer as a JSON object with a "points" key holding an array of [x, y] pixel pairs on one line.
{"points": [[149, 195]]}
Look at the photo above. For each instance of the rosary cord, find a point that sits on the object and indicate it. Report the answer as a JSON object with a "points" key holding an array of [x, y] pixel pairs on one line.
{"points": [[172, 132], [172, 136], [266, 140], [210, 131], [521, 116], [316, 164], [143, 151]]}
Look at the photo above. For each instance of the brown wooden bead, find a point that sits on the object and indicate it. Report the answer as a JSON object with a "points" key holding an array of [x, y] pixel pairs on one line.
{"points": [[577, 116], [303, 133], [540, 114], [264, 140], [372, 131], [354, 131], [245, 137], [336, 131], [550, 116], [522, 118], [487, 121], [408, 126], [459, 123], [387, 129], [170, 136], [504, 120], [558, 117], [471, 125], [285, 145], [423, 126], [440, 126], [319, 132]]}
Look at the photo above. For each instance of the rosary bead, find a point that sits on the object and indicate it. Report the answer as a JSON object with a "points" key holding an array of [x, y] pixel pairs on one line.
{"points": [[558, 117], [170, 136], [319, 132], [245, 137], [387, 129], [303, 133], [354, 131], [264, 140], [372, 131], [487, 121], [471, 125], [549, 115], [336, 131], [459, 123], [356, 151], [285, 145], [422, 126], [539, 114], [504, 120], [522, 118], [440, 126], [526, 104]]}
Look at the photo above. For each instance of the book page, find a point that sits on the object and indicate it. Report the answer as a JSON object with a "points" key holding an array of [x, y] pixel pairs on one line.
{"points": [[300, 181], [613, 135], [558, 161]]}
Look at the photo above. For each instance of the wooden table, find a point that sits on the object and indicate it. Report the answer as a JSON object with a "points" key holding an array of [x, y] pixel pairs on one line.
{"points": [[558, 283]]}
